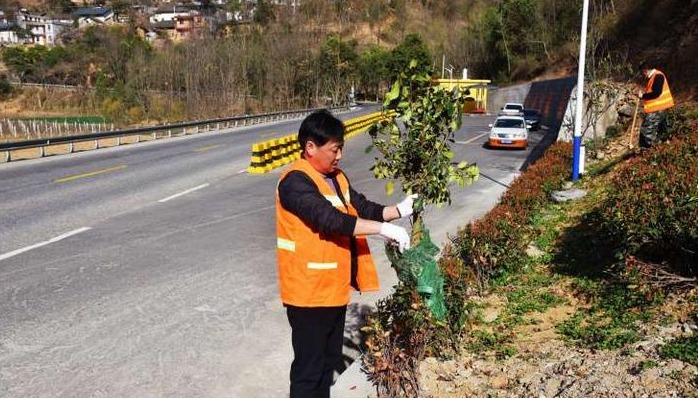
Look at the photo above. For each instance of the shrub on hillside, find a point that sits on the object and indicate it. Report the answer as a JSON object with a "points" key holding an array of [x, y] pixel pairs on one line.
{"points": [[652, 205], [499, 240], [681, 122], [6, 88], [403, 331]]}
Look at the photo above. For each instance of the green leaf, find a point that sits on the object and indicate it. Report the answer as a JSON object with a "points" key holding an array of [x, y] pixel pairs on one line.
{"points": [[392, 94], [389, 187], [368, 149]]}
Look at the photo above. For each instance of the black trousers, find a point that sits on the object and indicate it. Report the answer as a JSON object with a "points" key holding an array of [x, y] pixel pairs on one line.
{"points": [[653, 128], [317, 335]]}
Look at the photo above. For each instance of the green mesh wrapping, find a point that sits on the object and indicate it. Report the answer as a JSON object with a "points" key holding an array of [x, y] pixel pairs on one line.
{"points": [[417, 267]]}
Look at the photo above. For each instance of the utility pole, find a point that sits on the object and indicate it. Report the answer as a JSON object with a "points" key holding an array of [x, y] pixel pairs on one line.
{"points": [[443, 65], [577, 158]]}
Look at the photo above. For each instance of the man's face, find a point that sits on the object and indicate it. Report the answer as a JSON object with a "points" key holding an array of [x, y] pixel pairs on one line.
{"points": [[645, 73], [325, 158]]}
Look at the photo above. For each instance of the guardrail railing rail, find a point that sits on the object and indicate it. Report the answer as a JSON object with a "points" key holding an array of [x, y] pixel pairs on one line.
{"points": [[155, 132]]}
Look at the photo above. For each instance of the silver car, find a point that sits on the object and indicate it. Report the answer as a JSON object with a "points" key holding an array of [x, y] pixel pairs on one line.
{"points": [[509, 132]]}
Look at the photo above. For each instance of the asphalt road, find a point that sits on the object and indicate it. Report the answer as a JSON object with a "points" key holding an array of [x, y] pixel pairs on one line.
{"points": [[148, 270]]}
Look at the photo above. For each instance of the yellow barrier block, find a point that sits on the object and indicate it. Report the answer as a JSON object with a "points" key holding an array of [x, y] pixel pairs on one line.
{"points": [[257, 161], [270, 154]]}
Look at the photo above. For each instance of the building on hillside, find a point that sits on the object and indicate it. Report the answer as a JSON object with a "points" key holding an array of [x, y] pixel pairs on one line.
{"points": [[169, 12], [8, 30], [178, 22], [99, 15], [147, 34], [286, 3], [41, 29], [476, 99], [8, 33], [189, 26]]}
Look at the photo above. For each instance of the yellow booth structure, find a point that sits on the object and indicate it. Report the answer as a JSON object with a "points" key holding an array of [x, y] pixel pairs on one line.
{"points": [[476, 100]]}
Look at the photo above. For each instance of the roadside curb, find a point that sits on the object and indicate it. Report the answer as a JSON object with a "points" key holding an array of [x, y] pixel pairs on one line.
{"points": [[353, 383]]}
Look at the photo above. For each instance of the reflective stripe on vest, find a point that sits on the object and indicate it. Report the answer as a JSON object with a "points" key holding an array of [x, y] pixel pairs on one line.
{"points": [[322, 265], [664, 101], [286, 244], [334, 199]]}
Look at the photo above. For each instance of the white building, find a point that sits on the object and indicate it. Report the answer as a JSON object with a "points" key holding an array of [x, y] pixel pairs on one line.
{"points": [[94, 15], [170, 13], [42, 29]]}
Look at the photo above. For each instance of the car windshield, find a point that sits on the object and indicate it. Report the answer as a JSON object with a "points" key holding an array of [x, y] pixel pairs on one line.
{"points": [[509, 123]]}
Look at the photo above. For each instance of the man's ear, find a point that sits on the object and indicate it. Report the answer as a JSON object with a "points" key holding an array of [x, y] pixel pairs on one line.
{"points": [[310, 148]]}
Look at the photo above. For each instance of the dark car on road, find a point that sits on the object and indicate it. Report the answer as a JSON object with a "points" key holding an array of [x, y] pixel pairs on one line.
{"points": [[532, 117]]}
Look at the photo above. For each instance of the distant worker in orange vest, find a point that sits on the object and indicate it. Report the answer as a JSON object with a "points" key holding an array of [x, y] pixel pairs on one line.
{"points": [[322, 252], [656, 99]]}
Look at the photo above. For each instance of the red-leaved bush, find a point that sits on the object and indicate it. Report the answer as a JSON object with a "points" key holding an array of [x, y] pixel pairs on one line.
{"points": [[499, 239], [652, 205]]}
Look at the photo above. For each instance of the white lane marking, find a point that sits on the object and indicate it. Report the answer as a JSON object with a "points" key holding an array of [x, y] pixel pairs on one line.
{"points": [[183, 193], [472, 139], [52, 240]]}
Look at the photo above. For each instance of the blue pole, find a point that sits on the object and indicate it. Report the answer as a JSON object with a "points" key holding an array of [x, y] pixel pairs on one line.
{"points": [[576, 156]]}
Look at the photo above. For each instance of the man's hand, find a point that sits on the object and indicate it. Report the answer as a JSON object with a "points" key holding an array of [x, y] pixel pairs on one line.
{"points": [[406, 207], [397, 234]]}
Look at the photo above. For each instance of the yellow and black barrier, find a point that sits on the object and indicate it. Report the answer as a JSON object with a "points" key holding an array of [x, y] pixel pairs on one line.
{"points": [[270, 154]]}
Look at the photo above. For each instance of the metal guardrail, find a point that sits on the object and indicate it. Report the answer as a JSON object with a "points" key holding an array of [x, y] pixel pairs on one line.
{"points": [[169, 130]]}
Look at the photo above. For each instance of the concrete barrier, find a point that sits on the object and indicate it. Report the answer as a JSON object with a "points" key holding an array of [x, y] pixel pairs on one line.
{"points": [[271, 154]]}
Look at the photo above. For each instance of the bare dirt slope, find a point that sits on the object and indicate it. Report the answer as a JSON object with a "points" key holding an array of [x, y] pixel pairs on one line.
{"points": [[665, 32]]}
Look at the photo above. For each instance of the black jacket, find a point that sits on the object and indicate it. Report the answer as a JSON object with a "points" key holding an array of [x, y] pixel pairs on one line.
{"points": [[299, 195], [657, 87]]}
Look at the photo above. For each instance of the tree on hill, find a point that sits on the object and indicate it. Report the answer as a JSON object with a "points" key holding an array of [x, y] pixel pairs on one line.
{"points": [[412, 48]]}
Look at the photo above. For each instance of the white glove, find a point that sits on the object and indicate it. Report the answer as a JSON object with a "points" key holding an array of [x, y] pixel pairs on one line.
{"points": [[406, 207], [397, 234]]}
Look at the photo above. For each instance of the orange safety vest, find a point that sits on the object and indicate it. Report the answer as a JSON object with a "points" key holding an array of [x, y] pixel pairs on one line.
{"points": [[315, 268], [664, 101]]}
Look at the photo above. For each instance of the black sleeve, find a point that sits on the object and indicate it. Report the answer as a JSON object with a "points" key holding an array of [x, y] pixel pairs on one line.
{"points": [[657, 86], [364, 207], [299, 195]]}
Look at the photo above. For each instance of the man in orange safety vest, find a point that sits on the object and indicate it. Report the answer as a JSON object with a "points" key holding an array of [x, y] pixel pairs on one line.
{"points": [[322, 252], [656, 100]]}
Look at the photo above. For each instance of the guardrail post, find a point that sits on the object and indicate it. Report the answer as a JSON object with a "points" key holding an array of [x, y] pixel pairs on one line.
{"points": [[97, 144], [155, 136], [8, 157], [184, 131], [138, 138], [118, 141], [41, 152], [70, 147]]}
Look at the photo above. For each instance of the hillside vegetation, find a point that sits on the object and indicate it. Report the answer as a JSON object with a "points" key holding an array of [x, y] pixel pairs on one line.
{"points": [[592, 297], [313, 55], [589, 298]]}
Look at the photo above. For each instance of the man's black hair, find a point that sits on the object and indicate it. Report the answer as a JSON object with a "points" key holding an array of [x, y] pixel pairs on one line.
{"points": [[645, 64], [320, 127]]}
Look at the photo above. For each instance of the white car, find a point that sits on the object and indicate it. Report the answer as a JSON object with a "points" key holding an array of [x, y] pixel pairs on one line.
{"points": [[512, 108], [508, 132]]}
